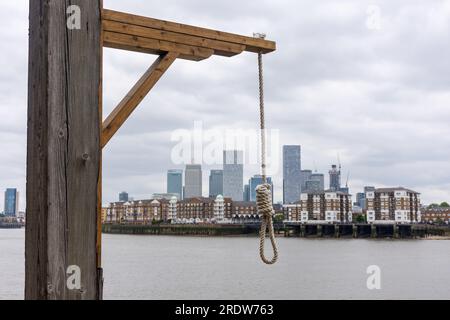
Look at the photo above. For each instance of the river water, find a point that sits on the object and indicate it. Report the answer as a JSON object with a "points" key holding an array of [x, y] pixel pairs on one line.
{"points": [[165, 267]]}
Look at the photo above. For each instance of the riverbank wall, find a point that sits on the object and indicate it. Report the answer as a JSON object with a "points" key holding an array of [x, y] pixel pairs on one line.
{"points": [[10, 225], [178, 230], [286, 230]]}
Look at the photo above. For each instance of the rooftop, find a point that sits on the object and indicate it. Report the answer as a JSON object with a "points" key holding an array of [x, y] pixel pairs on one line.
{"points": [[395, 189]]}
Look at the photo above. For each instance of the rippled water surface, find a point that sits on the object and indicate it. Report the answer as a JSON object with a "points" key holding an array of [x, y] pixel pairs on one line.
{"points": [[160, 267]]}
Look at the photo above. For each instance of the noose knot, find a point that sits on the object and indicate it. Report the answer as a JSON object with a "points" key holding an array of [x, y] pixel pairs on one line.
{"points": [[265, 209], [264, 200]]}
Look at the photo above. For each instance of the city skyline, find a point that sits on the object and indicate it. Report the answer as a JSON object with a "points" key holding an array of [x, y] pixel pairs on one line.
{"points": [[309, 182], [316, 178]]}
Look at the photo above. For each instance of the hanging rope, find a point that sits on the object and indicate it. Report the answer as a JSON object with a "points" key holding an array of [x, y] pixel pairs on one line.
{"points": [[264, 192]]}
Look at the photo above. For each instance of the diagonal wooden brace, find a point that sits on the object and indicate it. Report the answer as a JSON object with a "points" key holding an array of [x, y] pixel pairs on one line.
{"points": [[135, 96]]}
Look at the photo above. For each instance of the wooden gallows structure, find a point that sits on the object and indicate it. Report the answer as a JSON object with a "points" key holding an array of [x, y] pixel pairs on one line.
{"points": [[66, 131]]}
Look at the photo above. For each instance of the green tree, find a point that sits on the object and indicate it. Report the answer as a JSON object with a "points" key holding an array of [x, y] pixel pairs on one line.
{"points": [[439, 221], [2, 215], [433, 205], [156, 222], [278, 217], [444, 205], [361, 218]]}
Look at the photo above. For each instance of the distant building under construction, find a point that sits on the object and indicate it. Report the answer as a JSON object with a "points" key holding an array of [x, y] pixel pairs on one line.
{"points": [[335, 178]]}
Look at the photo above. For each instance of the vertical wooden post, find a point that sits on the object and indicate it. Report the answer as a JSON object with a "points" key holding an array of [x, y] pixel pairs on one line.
{"points": [[100, 180], [63, 152]]}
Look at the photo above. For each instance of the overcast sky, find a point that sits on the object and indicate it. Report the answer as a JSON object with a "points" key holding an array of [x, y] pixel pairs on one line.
{"points": [[369, 81]]}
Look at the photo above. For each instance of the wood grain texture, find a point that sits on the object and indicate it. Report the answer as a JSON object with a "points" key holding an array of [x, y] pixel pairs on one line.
{"points": [[140, 44], [100, 173], [63, 153], [222, 48], [251, 44], [139, 91], [37, 156]]}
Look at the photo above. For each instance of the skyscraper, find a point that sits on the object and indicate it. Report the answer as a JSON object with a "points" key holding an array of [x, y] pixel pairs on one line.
{"points": [[175, 183], [193, 181], [305, 175], [320, 178], [254, 182], [233, 174], [215, 183], [360, 199], [11, 202], [123, 196], [362, 196], [335, 178], [291, 173], [246, 192], [315, 182], [312, 186]]}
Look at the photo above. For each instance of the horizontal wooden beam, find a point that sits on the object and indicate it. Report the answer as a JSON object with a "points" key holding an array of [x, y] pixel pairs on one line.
{"points": [[128, 104], [146, 45], [222, 48], [168, 29]]}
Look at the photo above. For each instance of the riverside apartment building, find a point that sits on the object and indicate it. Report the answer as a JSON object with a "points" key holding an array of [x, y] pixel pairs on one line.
{"points": [[393, 205], [320, 207]]}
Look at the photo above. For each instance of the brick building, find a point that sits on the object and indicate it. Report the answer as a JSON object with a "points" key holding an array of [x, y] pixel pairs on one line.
{"points": [[198, 209], [245, 212], [140, 212], [323, 206], [204, 209], [393, 205], [434, 215]]}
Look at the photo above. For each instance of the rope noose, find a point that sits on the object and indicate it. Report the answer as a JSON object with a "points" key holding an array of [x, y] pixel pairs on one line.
{"points": [[264, 192]]}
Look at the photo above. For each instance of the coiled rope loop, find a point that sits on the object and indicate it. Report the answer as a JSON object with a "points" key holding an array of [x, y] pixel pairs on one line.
{"points": [[265, 209], [263, 191]]}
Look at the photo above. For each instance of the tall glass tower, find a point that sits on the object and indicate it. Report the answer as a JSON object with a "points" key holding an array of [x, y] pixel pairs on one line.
{"points": [[233, 174], [247, 192], [255, 181], [320, 178], [215, 183], [193, 181], [305, 175], [175, 183], [11, 202], [123, 196], [291, 173]]}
